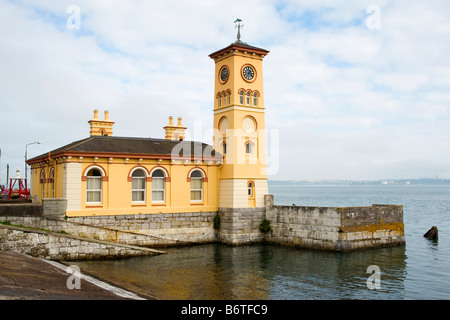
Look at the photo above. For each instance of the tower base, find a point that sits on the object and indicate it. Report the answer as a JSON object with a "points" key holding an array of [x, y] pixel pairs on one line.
{"points": [[240, 226]]}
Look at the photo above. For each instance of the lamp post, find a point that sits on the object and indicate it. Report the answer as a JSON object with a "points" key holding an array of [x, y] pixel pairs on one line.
{"points": [[26, 146]]}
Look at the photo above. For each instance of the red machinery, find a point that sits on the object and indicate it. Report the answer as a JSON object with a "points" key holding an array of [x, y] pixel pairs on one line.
{"points": [[20, 183]]}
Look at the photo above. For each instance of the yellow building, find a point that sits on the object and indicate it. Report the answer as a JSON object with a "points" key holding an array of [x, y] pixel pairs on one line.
{"points": [[108, 175]]}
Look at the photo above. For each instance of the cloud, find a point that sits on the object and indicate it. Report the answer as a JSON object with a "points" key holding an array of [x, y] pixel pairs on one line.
{"points": [[348, 101]]}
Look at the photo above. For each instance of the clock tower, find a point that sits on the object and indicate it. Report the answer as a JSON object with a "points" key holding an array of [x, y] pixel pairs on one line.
{"points": [[239, 130]]}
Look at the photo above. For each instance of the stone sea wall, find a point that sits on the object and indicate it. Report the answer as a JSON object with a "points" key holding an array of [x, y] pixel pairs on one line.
{"points": [[326, 228], [54, 246], [335, 228]]}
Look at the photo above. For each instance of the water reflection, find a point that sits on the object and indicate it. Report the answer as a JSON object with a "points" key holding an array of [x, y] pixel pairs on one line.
{"points": [[215, 271]]}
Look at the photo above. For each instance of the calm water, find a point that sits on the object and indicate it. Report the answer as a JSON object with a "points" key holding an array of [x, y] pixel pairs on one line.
{"points": [[418, 270]]}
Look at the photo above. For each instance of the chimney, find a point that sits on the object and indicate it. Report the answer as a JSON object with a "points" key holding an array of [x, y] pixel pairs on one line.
{"points": [[101, 127], [175, 132]]}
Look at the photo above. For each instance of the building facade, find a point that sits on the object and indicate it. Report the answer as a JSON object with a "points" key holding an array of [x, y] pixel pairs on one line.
{"points": [[108, 175]]}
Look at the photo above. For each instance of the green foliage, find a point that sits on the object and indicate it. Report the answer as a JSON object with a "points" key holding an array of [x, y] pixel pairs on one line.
{"points": [[265, 227], [216, 222]]}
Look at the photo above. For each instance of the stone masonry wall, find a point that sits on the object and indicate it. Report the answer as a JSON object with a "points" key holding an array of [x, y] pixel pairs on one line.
{"points": [[164, 229], [240, 226], [333, 228], [152, 230], [53, 246], [328, 228]]}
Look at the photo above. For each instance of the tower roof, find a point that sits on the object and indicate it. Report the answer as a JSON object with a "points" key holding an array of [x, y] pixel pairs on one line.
{"points": [[240, 46]]}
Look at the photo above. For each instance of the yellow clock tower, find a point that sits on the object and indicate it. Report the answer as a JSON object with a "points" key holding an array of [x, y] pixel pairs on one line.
{"points": [[239, 131]]}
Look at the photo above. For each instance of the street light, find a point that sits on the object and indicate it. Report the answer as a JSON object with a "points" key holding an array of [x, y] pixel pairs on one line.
{"points": [[26, 146]]}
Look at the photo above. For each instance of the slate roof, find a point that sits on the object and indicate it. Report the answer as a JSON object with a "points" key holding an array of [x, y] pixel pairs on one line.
{"points": [[132, 147]]}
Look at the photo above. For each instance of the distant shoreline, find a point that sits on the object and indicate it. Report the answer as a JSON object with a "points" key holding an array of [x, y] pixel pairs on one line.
{"points": [[423, 181]]}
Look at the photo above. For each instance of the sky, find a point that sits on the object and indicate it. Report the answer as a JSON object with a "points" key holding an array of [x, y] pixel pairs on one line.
{"points": [[355, 90]]}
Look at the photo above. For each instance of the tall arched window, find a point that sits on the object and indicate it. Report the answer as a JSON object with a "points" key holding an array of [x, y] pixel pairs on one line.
{"points": [[255, 99], [52, 181], [219, 98], [241, 96], [158, 186], [138, 185], [94, 186], [196, 185], [42, 180], [250, 189], [224, 148], [248, 97], [229, 97]]}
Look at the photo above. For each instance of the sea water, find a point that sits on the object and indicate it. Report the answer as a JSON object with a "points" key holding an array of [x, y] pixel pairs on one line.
{"points": [[420, 269]]}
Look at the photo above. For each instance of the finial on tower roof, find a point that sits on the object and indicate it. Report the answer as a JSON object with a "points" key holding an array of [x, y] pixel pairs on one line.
{"points": [[238, 25]]}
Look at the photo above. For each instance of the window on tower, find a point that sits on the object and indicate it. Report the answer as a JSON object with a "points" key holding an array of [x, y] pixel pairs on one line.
{"points": [[250, 189], [255, 99], [248, 97], [241, 96], [248, 147]]}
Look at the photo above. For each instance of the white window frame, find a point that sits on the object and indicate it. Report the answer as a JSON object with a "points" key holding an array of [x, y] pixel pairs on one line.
{"points": [[88, 178], [159, 190], [250, 186], [144, 191], [52, 177], [42, 178], [201, 189]]}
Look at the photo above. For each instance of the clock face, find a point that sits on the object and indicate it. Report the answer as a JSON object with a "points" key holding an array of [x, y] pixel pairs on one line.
{"points": [[248, 73], [224, 74]]}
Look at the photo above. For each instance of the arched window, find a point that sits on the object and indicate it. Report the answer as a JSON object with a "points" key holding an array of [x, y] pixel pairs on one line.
{"points": [[255, 99], [219, 97], [196, 185], [42, 180], [248, 97], [138, 185], [224, 99], [250, 189], [248, 147], [241, 96], [52, 181], [229, 97], [94, 186], [224, 148], [158, 186]]}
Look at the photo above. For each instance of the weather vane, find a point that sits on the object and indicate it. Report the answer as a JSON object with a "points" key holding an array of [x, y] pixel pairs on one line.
{"points": [[238, 25]]}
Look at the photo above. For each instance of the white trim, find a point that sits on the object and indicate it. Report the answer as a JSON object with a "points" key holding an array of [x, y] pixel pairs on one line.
{"points": [[115, 290], [241, 108]]}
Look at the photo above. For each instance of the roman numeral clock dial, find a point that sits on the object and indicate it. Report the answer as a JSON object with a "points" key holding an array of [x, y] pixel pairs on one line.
{"points": [[224, 74], [248, 73]]}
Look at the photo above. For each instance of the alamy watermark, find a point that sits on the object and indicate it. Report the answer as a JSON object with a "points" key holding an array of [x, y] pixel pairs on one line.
{"points": [[73, 21], [374, 280], [236, 150], [373, 22], [74, 281]]}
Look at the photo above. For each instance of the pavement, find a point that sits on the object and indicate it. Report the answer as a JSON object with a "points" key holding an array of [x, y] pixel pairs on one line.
{"points": [[26, 278]]}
